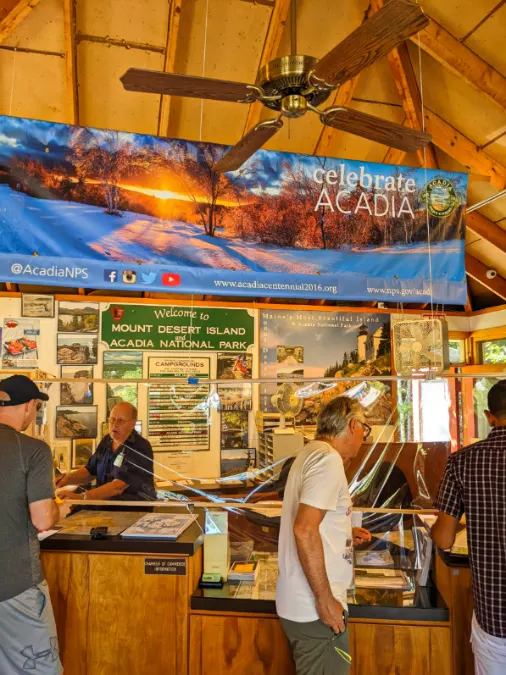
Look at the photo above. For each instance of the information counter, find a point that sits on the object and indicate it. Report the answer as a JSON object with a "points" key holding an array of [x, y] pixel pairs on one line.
{"points": [[122, 605], [235, 630], [134, 607], [453, 578]]}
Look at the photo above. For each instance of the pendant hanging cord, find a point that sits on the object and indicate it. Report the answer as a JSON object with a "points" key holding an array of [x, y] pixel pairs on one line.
{"points": [[204, 67], [293, 27]]}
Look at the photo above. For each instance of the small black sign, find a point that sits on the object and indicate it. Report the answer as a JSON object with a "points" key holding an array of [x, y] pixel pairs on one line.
{"points": [[164, 566]]}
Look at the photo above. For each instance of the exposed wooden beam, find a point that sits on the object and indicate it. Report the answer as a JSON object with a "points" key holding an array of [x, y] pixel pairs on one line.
{"points": [[342, 97], [113, 42], [270, 50], [15, 16], [478, 271], [169, 64], [69, 22], [458, 146], [462, 61], [409, 92], [487, 229]]}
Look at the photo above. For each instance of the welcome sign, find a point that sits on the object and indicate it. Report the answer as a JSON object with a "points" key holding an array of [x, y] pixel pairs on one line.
{"points": [[149, 327], [105, 209]]}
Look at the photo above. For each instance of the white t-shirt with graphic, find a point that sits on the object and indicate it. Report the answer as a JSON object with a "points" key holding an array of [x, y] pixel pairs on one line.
{"points": [[317, 479]]}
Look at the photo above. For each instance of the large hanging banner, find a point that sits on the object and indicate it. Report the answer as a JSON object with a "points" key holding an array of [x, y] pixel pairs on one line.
{"points": [[107, 209]]}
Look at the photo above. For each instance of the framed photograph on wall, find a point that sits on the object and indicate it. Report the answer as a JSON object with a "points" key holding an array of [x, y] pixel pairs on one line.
{"points": [[76, 393], [76, 349], [236, 460], [37, 306], [76, 421], [78, 317], [82, 450]]}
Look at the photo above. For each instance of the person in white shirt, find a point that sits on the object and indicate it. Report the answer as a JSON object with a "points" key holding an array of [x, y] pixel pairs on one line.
{"points": [[315, 550]]}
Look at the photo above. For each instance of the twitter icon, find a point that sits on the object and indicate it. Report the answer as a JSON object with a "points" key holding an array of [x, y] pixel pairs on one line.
{"points": [[148, 278]]}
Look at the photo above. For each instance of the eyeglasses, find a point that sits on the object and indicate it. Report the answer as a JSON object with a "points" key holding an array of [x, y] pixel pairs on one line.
{"points": [[118, 420], [367, 429]]}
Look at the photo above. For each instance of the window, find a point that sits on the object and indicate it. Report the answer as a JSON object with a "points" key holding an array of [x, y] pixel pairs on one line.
{"points": [[493, 351], [457, 351]]}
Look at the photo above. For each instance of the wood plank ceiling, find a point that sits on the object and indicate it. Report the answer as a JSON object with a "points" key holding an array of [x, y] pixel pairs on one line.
{"points": [[60, 60]]}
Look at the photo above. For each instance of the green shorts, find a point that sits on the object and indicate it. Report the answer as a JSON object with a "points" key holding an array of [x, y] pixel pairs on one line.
{"points": [[28, 640], [314, 648]]}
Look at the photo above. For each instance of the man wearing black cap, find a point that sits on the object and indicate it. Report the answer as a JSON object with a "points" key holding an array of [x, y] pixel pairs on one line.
{"points": [[28, 638]]}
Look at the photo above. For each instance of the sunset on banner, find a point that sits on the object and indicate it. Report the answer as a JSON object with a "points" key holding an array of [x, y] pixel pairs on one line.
{"points": [[121, 198]]}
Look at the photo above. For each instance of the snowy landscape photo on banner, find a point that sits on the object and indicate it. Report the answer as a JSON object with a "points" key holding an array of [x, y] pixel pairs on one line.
{"points": [[106, 209]]}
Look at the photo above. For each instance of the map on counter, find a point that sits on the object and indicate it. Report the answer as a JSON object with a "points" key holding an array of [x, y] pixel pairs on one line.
{"points": [[82, 522], [160, 526]]}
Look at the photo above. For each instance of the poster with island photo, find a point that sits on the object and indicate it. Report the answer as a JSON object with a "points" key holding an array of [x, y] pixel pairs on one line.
{"points": [[82, 450], [37, 306], [316, 344], [76, 349], [75, 393], [78, 317], [122, 366], [234, 397], [76, 421]]}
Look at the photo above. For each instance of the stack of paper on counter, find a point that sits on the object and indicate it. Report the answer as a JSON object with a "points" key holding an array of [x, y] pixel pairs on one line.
{"points": [[160, 526], [243, 571], [381, 578]]}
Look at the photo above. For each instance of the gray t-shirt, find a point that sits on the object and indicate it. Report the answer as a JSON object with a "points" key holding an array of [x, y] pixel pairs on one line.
{"points": [[26, 476]]}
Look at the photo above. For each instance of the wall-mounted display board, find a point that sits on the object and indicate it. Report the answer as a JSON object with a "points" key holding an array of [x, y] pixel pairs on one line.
{"points": [[299, 345], [178, 416], [285, 225], [165, 328]]}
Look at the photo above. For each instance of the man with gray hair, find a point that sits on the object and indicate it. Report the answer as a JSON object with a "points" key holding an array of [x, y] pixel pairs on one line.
{"points": [[315, 549]]}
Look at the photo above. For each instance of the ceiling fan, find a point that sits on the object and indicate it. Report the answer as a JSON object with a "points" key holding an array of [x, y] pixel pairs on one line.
{"points": [[294, 85]]}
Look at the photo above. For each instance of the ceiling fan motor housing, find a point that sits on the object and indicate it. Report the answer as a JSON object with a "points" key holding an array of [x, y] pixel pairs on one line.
{"points": [[287, 77]]}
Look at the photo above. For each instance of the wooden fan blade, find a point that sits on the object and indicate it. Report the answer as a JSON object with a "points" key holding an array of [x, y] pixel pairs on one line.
{"points": [[391, 25], [155, 82], [375, 129], [248, 145]]}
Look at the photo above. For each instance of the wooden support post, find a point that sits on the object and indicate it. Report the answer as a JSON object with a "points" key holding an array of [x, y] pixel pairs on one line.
{"points": [[169, 64], [478, 271], [69, 20], [15, 16]]}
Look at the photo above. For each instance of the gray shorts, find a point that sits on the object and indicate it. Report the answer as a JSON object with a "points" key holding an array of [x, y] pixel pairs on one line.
{"points": [[28, 640], [314, 648]]}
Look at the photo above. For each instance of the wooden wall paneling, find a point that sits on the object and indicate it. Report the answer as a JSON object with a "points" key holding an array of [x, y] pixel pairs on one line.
{"points": [[67, 575], [231, 645], [141, 617], [407, 650], [454, 584]]}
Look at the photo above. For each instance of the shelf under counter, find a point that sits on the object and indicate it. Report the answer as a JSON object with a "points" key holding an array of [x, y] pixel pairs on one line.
{"points": [[424, 604]]}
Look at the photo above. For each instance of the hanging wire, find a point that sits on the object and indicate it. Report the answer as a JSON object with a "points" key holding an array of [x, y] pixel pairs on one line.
{"points": [[13, 79], [204, 67]]}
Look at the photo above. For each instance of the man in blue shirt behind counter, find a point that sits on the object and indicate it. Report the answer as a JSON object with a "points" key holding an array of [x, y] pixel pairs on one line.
{"points": [[122, 463]]}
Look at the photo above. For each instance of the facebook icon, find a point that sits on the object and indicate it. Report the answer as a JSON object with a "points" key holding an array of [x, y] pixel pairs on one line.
{"points": [[110, 275]]}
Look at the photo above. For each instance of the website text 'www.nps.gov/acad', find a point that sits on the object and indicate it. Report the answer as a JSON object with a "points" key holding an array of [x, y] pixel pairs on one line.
{"points": [[400, 291], [261, 285]]}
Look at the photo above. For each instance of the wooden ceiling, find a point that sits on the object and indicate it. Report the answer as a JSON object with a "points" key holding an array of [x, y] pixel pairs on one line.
{"points": [[61, 60]]}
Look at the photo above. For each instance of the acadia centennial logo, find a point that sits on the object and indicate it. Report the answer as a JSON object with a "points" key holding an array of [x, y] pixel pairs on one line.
{"points": [[440, 197]]}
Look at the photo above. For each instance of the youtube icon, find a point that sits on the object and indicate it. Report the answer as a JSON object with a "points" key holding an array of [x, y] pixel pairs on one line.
{"points": [[171, 279]]}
